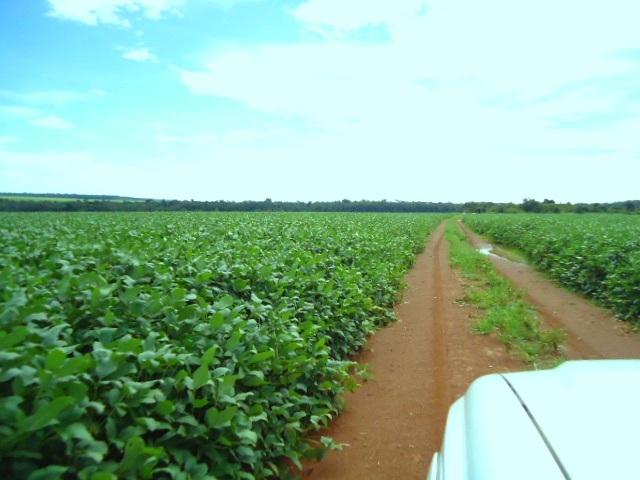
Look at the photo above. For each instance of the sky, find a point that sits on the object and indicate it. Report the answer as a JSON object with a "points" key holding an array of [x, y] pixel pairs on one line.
{"points": [[434, 100]]}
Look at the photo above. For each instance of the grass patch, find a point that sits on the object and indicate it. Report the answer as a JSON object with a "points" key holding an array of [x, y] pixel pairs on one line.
{"points": [[505, 313]]}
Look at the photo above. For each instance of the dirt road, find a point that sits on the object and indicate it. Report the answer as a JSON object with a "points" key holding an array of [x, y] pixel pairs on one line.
{"points": [[420, 364], [593, 332]]}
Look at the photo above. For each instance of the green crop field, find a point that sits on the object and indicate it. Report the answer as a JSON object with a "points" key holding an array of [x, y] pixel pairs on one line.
{"points": [[185, 345], [597, 255]]}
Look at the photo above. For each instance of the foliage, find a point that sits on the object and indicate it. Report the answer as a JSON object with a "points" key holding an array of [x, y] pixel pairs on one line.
{"points": [[55, 202], [550, 206], [185, 346], [105, 203], [597, 255], [505, 311]]}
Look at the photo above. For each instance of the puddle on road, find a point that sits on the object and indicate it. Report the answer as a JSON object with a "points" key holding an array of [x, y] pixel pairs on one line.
{"points": [[487, 249]]}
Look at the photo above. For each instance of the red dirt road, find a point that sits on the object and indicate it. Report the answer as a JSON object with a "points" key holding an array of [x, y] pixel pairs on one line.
{"points": [[593, 332], [420, 364]]}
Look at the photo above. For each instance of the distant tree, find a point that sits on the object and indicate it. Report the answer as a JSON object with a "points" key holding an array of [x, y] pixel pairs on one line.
{"points": [[531, 205], [549, 206], [581, 208]]}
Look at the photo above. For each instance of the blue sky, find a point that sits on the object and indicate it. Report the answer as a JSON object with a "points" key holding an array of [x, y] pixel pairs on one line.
{"points": [[441, 100]]}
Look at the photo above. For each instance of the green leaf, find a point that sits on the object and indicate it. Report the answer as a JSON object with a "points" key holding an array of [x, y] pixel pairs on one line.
{"points": [[75, 366], [78, 431], [165, 407], [295, 458], [55, 359], [234, 341], [105, 363], [129, 345], [201, 376], [103, 476], [17, 335], [27, 374], [209, 355], [133, 455], [226, 386], [261, 357], [248, 436], [96, 451], [10, 408], [217, 320], [256, 409], [200, 402], [50, 472], [153, 308], [46, 413], [217, 418], [225, 302], [178, 294]]}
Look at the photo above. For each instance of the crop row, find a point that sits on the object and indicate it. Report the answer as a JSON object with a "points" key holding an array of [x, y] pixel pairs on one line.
{"points": [[185, 346], [597, 255]]}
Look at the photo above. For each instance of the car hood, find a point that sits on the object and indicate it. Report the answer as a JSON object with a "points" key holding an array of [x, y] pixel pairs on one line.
{"points": [[580, 420], [588, 414]]}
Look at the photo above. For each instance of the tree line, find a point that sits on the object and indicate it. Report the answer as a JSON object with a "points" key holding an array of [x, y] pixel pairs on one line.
{"points": [[118, 204], [267, 205], [550, 206]]}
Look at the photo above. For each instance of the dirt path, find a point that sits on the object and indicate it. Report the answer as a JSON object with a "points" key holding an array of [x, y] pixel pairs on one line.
{"points": [[593, 331], [420, 364]]}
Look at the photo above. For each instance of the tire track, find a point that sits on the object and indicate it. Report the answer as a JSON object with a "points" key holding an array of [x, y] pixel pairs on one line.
{"points": [[439, 345]]}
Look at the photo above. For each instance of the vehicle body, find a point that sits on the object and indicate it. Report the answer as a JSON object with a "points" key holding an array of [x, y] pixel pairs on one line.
{"points": [[580, 420]]}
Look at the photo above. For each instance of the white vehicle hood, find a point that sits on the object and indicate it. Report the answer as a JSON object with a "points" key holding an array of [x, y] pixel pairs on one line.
{"points": [[578, 421], [589, 414]]}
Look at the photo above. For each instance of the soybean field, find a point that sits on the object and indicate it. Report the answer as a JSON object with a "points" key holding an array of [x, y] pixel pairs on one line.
{"points": [[186, 345]]}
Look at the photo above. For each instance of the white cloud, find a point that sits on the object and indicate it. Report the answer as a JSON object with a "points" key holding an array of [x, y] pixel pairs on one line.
{"points": [[52, 121], [356, 14], [45, 159], [458, 100], [19, 111], [322, 82], [191, 139], [113, 12], [120, 12], [465, 79], [36, 117], [53, 171], [141, 54], [48, 97], [227, 4], [229, 138]]}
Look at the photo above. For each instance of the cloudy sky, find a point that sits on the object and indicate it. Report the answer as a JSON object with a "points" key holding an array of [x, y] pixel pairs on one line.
{"points": [[436, 100]]}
